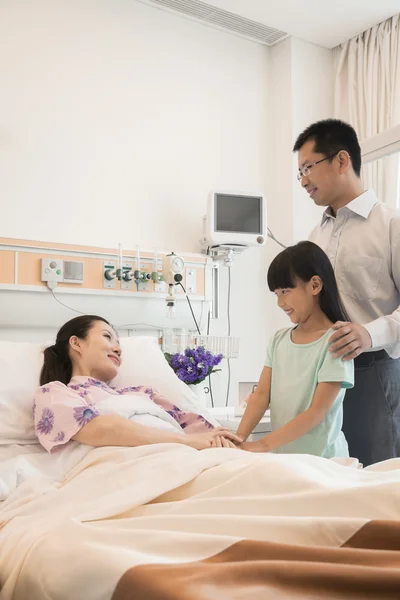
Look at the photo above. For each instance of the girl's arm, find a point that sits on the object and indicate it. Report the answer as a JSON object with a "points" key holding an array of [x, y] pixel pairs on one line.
{"points": [[324, 397], [257, 404]]}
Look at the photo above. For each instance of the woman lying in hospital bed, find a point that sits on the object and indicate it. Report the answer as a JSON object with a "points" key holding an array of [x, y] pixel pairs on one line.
{"points": [[76, 403]]}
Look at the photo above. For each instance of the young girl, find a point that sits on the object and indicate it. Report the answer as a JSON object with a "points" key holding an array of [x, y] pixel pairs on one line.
{"points": [[302, 381]]}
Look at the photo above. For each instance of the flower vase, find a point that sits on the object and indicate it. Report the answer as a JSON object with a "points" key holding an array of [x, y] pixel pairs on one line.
{"points": [[198, 390]]}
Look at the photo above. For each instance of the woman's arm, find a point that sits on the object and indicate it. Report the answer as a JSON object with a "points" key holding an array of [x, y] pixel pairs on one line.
{"points": [[113, 430], [257, 404], [323, 399]]}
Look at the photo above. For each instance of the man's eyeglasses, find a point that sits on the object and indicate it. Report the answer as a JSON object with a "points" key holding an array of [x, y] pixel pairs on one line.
{"points": [[305, 171]]}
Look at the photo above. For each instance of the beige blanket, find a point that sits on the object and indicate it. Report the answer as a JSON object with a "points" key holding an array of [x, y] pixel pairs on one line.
{"points": [[167, 522]]}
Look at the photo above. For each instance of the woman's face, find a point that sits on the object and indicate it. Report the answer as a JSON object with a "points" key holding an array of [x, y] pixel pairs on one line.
{"points": [[98, 355]]}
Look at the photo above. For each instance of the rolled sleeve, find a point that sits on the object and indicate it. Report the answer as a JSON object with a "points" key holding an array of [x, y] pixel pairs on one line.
{"points": [[59, 413]]}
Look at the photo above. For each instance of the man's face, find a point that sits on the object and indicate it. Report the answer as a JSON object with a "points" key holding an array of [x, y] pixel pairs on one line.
{"points": [[322, 183]]}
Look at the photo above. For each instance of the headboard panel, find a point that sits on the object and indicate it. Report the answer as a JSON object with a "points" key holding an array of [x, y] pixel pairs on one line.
{"points": [[30, 312]]}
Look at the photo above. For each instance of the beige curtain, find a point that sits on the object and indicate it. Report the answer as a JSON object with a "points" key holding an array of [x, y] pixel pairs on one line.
{"points": [[367, 95]]}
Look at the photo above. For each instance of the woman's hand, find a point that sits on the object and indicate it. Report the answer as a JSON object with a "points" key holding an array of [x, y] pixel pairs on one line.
{"points": [[217, 438], [221, 442]]}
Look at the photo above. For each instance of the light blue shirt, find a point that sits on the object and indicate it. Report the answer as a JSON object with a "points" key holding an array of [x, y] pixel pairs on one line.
{"points": [[297, 369]]}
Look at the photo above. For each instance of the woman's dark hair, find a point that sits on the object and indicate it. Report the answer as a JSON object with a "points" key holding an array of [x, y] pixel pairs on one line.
{"points": [[330, 136], [303, 261], [57, 361]]}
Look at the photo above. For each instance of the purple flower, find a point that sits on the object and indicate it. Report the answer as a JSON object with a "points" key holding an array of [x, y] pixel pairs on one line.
{"points": [[192, 376], [176, 361], [45, 389], [194, 365], [217, 359], [34, 407], [46, 423], [181, 374], [84, 414], [59, 437]]}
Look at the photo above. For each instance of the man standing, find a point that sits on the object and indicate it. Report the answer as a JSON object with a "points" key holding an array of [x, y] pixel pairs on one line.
{"points": [[361, 236]]}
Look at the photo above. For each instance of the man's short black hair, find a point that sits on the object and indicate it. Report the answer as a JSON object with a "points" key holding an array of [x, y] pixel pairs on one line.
{"points": [[330, 136]]}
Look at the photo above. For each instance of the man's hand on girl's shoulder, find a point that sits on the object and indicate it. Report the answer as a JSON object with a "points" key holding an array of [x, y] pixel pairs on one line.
{"points": [[349, 340]]}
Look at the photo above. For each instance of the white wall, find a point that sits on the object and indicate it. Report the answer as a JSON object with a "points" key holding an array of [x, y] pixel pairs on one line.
{"points": [[312, 77], [116, 120], [301, 92]]}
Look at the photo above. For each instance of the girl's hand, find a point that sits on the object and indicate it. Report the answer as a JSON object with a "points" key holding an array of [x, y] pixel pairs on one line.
{"points": [[212, 439], [259, 446]]}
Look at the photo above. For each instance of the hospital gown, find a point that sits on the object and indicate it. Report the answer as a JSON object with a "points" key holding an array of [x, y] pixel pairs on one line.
{"points": [[60, 411]]}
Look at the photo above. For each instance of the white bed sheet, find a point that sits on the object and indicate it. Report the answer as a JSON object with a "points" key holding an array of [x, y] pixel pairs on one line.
{"points": [[20, 462], [168, 504]]}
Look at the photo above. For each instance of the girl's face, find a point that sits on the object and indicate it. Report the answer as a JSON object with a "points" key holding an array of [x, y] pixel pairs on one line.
{"points": [[301, 301], [98, 355]]}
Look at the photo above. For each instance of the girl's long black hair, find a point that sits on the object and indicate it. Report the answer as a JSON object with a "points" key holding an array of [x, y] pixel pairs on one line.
{"points": [[303, 261]]}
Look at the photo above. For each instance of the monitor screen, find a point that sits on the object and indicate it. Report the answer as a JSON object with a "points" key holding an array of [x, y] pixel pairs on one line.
{"points": [[239, 214]]}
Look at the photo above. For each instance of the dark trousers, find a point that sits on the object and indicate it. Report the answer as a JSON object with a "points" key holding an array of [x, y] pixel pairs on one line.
{"points": [[371, 410]]}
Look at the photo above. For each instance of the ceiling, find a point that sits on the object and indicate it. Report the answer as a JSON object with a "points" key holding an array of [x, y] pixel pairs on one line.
{"points": [[326, 23], [323, 22]]}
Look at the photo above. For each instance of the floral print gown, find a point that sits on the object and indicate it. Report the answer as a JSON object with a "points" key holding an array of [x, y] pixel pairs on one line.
{"points": [[60, 411]]}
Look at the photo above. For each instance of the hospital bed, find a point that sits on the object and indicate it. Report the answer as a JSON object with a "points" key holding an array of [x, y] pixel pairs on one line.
{"points": [[168, 522]]}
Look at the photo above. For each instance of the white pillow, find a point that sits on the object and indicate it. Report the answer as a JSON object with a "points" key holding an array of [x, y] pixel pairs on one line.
{"points": [[20, 364]]}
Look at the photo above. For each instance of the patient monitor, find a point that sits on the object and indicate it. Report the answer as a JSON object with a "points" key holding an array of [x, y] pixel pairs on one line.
{"points": [[234, 220]]}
